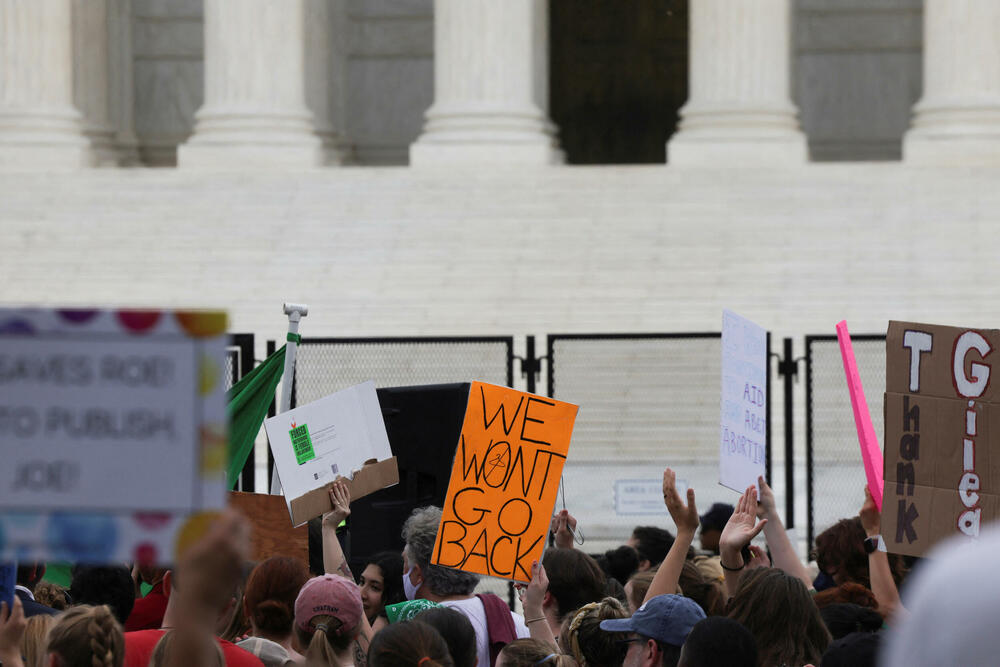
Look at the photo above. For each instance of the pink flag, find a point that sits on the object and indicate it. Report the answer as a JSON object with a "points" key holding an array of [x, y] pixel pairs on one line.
{"points": [[871, 453]]}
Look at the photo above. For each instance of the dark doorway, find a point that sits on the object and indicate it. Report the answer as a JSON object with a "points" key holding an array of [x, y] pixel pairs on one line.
{"points": [[618, 75]]}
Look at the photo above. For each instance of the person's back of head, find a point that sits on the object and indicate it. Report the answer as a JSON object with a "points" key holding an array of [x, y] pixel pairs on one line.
{"points": [[529, 652], [270, 594], [583, 639], [163, 652], [847, 592], [420, 534], [328, 615], [718, 642], [952, 602], [52, 595], [652, 545], [575, 579], [857, 649], [110, 585], [36, 634], [708, 594], [457, 631], [637, 587], [845, 618], [87, 636], [621, 563], [29, 575], [778, 611], [409, 644]]}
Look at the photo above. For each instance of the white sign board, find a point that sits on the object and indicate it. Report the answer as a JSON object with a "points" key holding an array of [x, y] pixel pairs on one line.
{"points": [[743, 422], [112, 431], [333, 436]]}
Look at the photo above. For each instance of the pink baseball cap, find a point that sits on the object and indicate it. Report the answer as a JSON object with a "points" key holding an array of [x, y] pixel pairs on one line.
{"points": [[329, 595]]}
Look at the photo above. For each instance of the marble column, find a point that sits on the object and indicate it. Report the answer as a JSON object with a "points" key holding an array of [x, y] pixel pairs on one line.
{"points": [[957, 121], [255, 112], [739, 109], [122, 82], [322, 75], [490, 86], [39, 126], [91, 77]]}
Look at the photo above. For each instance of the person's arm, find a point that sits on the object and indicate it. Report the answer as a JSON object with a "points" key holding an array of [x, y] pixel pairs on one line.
{"points": [[211, 571], [531, 601], [334, 561], [737, 534], [686, 519], [563, 528], [783, 554], [12, 626], [883, 585]]}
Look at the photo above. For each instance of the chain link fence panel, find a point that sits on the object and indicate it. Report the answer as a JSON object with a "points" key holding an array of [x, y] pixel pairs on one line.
{"points": [[835, 474], [646, 401]]}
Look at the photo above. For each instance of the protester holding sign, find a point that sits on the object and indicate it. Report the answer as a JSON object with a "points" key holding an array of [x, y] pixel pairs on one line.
{"points": [[494, 622]]}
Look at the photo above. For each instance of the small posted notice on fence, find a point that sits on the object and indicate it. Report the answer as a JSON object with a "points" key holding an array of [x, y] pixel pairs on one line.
{"points": [[504, 482], [941, 405], [743, 423]]}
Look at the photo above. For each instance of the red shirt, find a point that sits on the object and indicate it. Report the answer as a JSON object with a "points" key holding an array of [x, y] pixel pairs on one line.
{"points": [[147, 613], [139, 647]]}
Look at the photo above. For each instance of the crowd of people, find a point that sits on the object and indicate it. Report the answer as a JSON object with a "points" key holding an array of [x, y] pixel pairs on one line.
{"points": [[654, 601]]}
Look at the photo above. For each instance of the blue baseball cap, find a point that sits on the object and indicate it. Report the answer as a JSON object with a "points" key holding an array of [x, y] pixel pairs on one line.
{"points": [[666, 618]]}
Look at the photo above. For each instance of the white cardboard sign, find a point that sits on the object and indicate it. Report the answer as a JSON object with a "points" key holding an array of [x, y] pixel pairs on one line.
{"points": [[333, 436], [743, 422]]}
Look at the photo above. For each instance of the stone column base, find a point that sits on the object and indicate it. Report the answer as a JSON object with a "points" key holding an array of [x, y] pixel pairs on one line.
{"points": [[41, 157], [698, 149], [439, 153], [261, 141], [952, 147]]}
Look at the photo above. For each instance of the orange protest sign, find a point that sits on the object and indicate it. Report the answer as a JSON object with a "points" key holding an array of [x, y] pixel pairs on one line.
{"points": [[504, 482]]}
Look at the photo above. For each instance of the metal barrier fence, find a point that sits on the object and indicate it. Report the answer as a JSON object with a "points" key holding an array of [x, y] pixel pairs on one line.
{"points": [[239, 361], [326, 365], [646, 400], [835, 475]]}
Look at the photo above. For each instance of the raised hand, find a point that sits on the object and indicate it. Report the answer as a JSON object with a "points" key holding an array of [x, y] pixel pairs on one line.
{"points": [[758, 558], [563, 527], [766, 506], [685, 516], [12, 627], [340, 498], [742, 526], [871, 519]]}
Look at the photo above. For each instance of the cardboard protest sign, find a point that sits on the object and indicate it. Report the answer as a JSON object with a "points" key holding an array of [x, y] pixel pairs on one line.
{"points": [[271, 534], [112, 432], [942, 430], [340, 435], [871, 453], [504, 482], [743, 422]]}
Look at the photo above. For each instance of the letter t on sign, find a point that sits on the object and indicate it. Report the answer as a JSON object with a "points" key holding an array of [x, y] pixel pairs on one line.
{"points": [[917, 341]]}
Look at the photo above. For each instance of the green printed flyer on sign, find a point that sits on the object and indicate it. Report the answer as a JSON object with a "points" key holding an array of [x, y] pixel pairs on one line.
{"points": [[302, 443], [332, 437]]}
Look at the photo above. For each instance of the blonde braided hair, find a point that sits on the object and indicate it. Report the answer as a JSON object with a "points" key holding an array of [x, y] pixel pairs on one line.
{"points": [[583, 639], [88, 636]]}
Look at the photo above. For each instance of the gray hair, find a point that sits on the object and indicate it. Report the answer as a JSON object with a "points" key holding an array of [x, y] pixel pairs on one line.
{"points": [[420, 533]]}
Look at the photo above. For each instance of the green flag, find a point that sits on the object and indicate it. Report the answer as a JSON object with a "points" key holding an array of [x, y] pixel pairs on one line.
{"points": [[248, 402]]}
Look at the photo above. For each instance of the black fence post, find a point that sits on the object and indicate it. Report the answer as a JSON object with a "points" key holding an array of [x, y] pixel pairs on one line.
{"points": [[271, 411], [530, 365], [788, 369]]}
